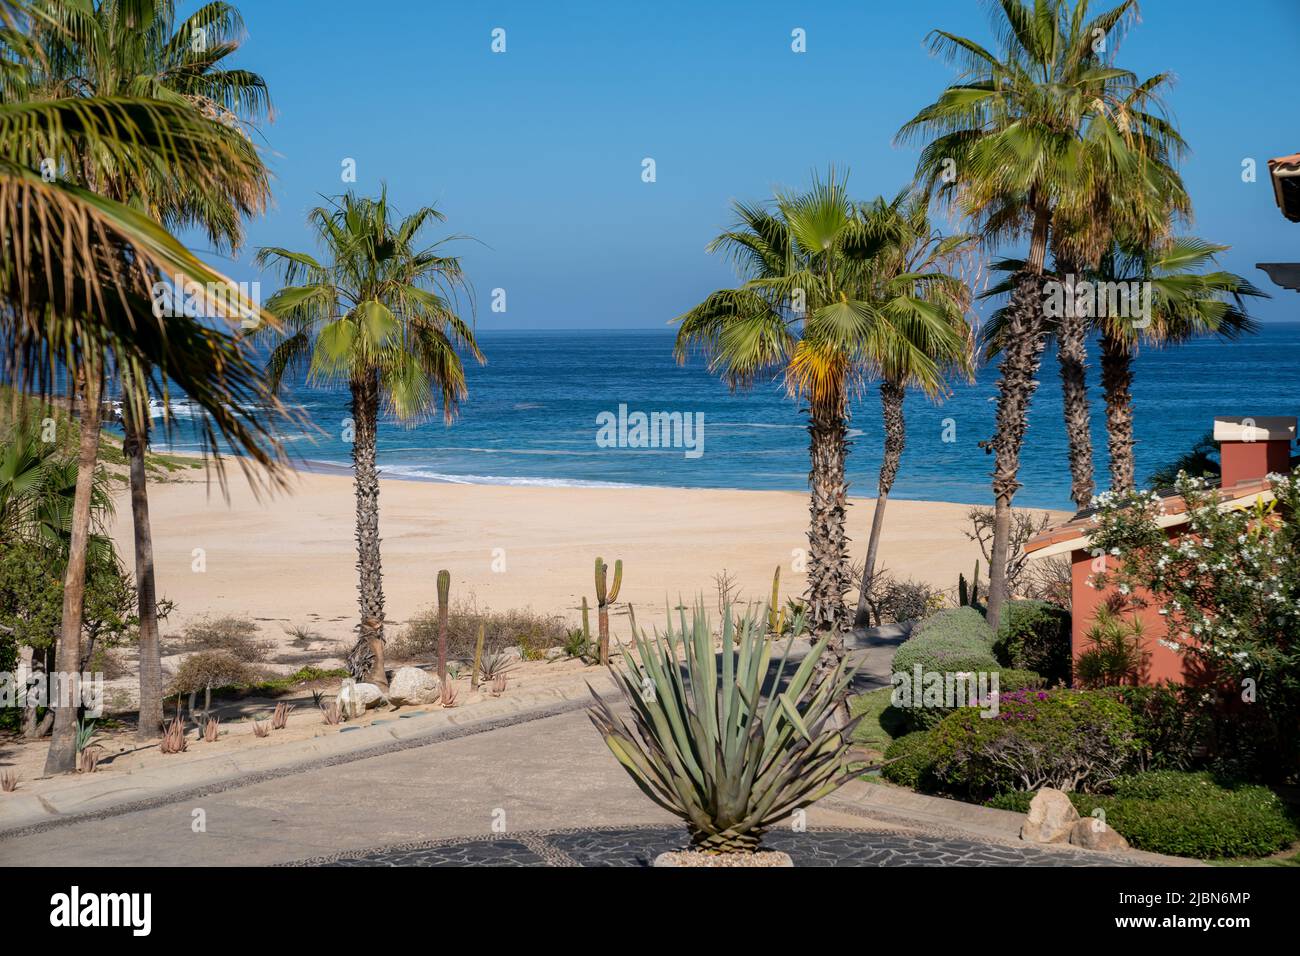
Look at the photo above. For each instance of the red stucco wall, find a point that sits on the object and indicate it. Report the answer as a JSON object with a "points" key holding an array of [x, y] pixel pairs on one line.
{"points": [[1159, 663]]}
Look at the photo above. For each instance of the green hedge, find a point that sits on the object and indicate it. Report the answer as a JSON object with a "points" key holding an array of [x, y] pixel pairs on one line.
{"points": [[1035, 635], [957, 639], [1185, 814], [916, 768]]}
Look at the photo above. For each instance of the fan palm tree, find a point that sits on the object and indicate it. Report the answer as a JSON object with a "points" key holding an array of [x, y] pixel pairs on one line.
{"points": [[800, 315], [110, 48], [1189, 298], [79, 265], [910, 287], [1006, 145], [381, 315], [38, 482]]}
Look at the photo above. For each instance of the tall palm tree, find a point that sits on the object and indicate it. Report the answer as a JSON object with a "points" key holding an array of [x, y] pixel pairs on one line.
{"points": [[381, 315], [79, 264], [1189, 298], [910, 281], [110, 48], [799, 315], [1006, 146]]}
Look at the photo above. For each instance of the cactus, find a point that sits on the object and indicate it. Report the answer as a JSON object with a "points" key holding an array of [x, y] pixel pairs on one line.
{"points": [[444, 594], [478, 656], [586, 621], [604, 598], [968, 593]]}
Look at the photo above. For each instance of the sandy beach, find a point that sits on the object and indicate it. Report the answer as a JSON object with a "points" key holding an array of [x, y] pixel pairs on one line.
{"points": [[290, 558]]}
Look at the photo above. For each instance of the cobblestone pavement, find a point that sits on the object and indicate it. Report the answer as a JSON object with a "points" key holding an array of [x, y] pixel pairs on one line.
{"points": [[638, 846]]}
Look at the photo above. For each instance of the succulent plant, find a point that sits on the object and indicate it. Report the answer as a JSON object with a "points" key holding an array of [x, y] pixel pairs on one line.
{"points": [[173, 739], [478, 656], [444, 596], [261, 728], [605, 596], [330, 713], [280, 719], [968, 594], [9, 781], [718, 741], [495, 665]]}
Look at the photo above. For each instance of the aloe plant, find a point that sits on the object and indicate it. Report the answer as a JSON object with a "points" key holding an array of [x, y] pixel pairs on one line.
{"points": [[718, 741]]}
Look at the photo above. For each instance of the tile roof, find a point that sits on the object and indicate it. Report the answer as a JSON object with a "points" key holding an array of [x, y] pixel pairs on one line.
{"points": [[1081, 524]]}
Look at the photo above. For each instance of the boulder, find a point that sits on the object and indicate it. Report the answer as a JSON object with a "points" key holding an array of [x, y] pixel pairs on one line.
{"points": [[1093, 833], [411, 685], [555, 653], [1051, 815], [354, 699]]}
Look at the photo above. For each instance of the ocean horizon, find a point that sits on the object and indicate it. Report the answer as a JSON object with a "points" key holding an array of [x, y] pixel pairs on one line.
{"points": [[557, 408]]}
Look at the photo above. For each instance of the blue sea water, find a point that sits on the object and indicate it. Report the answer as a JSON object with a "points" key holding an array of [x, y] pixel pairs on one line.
{"points": [[532, 419]]}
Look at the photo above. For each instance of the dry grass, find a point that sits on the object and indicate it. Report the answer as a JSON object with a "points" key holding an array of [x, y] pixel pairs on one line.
{"points": [[236, 636], [501, 629]]}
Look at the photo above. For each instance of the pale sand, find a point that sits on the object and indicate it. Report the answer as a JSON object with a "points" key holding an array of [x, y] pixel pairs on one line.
{"points": [[291, 559]]}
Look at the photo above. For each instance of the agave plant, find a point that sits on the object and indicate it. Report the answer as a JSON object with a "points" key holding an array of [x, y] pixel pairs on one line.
{"points": [[719, 738]]}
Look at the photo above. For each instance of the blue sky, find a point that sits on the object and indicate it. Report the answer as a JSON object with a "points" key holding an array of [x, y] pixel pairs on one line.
{"points": [[537, 152]]}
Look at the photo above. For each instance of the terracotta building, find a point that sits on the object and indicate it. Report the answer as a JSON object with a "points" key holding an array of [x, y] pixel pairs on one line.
{"points": [[1249, 450]]}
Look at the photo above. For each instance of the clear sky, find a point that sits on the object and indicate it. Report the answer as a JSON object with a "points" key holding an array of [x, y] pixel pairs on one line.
{"points": [[537, 152]]}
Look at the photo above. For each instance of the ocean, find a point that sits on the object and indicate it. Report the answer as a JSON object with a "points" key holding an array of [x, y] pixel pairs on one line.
{"points": [[559, 408]]}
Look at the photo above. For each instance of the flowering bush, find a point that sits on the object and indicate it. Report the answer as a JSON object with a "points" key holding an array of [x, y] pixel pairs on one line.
{"points": [[1066, 739], [1228, 588]]}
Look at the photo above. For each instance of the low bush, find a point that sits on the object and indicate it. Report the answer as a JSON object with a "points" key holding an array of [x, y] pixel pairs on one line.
{"points": [[920, 712], [914, 766], [1185, 814], [237, 636], [953, 640], [1069, 740], [1035, 635], [1172, 725], [526, 629]]}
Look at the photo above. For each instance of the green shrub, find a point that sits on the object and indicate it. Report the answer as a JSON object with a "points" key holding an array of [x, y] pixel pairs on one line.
{"points": [[1035, 635], [916, 768], [1172, 725], [1012, 678], [1190, 814], [1184, 814], [953, 640], [1040, 738]]}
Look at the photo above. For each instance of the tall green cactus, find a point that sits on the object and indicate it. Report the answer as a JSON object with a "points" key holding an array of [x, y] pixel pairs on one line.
{"points": [[444, 595], [586, 622], [774, 616], [604, 598], [478, 656]]}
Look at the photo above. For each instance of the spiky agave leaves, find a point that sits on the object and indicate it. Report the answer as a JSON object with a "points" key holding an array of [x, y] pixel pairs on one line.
{"points": [[716, 739]]}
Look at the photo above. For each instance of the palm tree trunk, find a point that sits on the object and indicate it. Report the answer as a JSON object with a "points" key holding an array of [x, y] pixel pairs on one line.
{"points": [[891, 409], [1116, 382], [62, 756], [134, 443], [828, 575], [1072, 353], [370, 587], [1022, 353]]}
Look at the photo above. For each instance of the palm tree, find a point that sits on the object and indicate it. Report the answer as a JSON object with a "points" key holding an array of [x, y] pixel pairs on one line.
{"points": [[800, 314], [67, 245], [380, 315], [1006, 146], [111, 49], [1187, 301], [908, 283]]}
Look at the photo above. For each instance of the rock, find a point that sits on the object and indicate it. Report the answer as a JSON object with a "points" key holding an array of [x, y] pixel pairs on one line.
{"points": [[1092, 833], [554, 653], [513, 651], [1051, 815], [353, 699], [411, 685]]}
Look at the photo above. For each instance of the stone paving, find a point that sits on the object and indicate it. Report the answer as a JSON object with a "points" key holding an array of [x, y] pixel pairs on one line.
{"points": [[638, 846]]}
